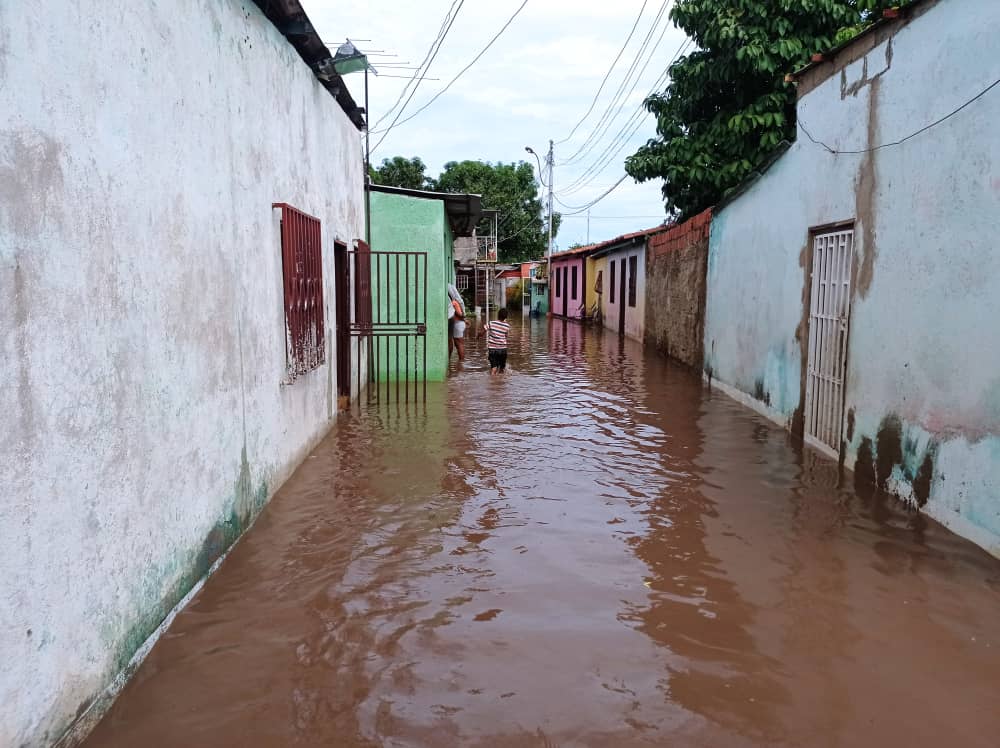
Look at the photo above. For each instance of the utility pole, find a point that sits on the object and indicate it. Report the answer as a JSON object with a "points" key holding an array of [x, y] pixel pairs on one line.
{"points": [[552, 163]]}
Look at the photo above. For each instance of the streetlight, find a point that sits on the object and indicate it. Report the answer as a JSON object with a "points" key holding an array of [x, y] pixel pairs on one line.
{"points": [[529, 150]]}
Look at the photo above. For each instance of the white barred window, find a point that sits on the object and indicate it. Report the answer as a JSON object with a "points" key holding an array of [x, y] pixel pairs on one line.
{"points": [[462, 283]]}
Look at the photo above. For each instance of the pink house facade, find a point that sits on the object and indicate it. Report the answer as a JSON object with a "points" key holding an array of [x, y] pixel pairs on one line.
{"points": [[568, 282]]}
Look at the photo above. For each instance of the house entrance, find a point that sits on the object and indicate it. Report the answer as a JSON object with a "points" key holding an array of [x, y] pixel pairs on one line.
{"points": [[390, 322], [829, 312]]}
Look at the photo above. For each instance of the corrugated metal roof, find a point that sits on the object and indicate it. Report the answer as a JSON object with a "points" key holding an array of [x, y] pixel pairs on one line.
{"points": [[463, 210], [609, 243]]}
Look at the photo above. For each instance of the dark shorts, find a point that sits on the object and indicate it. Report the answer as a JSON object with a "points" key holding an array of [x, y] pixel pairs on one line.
{"points": [[498, 358]]}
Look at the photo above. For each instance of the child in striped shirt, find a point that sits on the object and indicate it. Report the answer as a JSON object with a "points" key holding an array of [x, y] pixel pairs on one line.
{"points": [[496, 343]]}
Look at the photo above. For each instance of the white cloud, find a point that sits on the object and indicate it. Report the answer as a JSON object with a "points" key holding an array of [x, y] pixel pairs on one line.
{"points": [[534, 84]]}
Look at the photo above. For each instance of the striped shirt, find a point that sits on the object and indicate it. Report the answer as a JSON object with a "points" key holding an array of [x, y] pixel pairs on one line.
{"points": [[497, 330]]}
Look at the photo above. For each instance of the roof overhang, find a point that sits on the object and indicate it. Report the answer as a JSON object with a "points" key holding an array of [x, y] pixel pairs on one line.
{"points": [[618, 246], [291, 20], [463, 210]]}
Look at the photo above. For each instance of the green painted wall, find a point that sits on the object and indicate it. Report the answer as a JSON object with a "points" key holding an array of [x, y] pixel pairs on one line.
{"points": [[401, 223]]}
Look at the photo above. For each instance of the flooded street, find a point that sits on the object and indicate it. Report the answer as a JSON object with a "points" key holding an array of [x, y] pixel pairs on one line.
{"points": [[591, 551]]}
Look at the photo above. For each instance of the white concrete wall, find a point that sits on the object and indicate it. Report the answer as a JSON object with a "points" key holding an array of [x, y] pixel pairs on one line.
{"points": [[142, 327], [635, 317], [924, 353]]}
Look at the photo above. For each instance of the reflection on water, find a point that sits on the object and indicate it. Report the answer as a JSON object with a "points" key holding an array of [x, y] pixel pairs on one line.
{"points": [[592, 550]]}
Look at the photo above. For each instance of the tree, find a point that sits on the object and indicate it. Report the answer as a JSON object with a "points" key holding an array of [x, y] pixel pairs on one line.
{"points": [[402, 172], [727, 106], [511, 189]]}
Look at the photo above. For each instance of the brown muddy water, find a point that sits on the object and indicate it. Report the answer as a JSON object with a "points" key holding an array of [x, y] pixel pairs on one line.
{"points": [[592, 551]]}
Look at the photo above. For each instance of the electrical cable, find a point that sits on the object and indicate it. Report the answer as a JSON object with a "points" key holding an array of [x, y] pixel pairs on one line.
{"points": [[437, 49], [460, 73], [618, 100], [420, 70], [580, 209], [607, 75], [621, 138], [924, 129]]}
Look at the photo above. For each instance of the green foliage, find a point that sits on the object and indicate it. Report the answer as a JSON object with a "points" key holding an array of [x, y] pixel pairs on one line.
{"points": [[511, 189], [727, 106], [402, 172]]}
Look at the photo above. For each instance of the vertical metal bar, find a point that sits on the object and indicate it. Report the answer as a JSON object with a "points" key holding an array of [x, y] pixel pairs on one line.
{"points": [[811, 359], [831, 249], [834, 339], [823, 329], [377, 287], [838, 389], [352, 269], [397, 362], [424, 336], [821, 259], [406, 364], [396, 283]]}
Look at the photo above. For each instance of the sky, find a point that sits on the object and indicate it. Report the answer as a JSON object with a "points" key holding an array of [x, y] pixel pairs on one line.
{"points": [[534, 84]]}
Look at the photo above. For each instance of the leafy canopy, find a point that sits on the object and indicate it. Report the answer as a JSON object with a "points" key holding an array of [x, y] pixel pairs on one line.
{"points": [[727, 106], [511, 189], [402, 172]]}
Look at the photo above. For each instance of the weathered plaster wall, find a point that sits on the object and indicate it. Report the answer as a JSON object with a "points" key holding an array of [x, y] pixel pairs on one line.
{"points": [[677, 260], [142, 325], [635, 317], [403, 223], [563, 303], [922, 411]]}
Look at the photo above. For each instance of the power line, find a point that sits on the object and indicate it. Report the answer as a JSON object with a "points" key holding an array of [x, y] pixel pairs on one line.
{"points": [[582, 208], [449, 18], [924, 129], [528, 224], [441, 39], [621, 138], [634, 119], [461, 72], [607, 75], [609, 218], [618, 100]]}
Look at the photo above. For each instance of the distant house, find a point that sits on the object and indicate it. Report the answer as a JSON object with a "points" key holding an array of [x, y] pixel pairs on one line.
{"points": [[853, 287], [609, 276], [412, 287], [618, 267], [568, 282]]}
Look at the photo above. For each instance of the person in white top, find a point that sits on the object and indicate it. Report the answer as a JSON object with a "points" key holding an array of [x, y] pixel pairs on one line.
{"points": [[456, 323]]}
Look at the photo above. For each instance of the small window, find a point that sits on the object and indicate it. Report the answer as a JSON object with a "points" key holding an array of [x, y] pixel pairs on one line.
{"points": [[302, 271], [633, 271], [612, 285], [572, 284], [462, 283], [558, 281]]}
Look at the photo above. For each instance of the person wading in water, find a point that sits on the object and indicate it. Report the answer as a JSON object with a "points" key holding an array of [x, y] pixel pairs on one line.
{"points": [[456, 323], [496, 342]]}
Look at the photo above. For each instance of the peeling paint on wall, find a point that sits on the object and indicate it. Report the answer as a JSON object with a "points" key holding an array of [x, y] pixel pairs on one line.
{"points": [[922, 395]]}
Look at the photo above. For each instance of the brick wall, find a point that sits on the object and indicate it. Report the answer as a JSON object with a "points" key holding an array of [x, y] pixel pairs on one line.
{"points": [[676, 264]]}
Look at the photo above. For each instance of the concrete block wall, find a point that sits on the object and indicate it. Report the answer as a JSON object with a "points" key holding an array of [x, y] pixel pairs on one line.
{"points": [[676, 263]]}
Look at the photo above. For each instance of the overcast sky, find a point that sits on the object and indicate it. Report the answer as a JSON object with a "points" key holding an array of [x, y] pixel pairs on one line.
{"points": [[533, 84]]}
